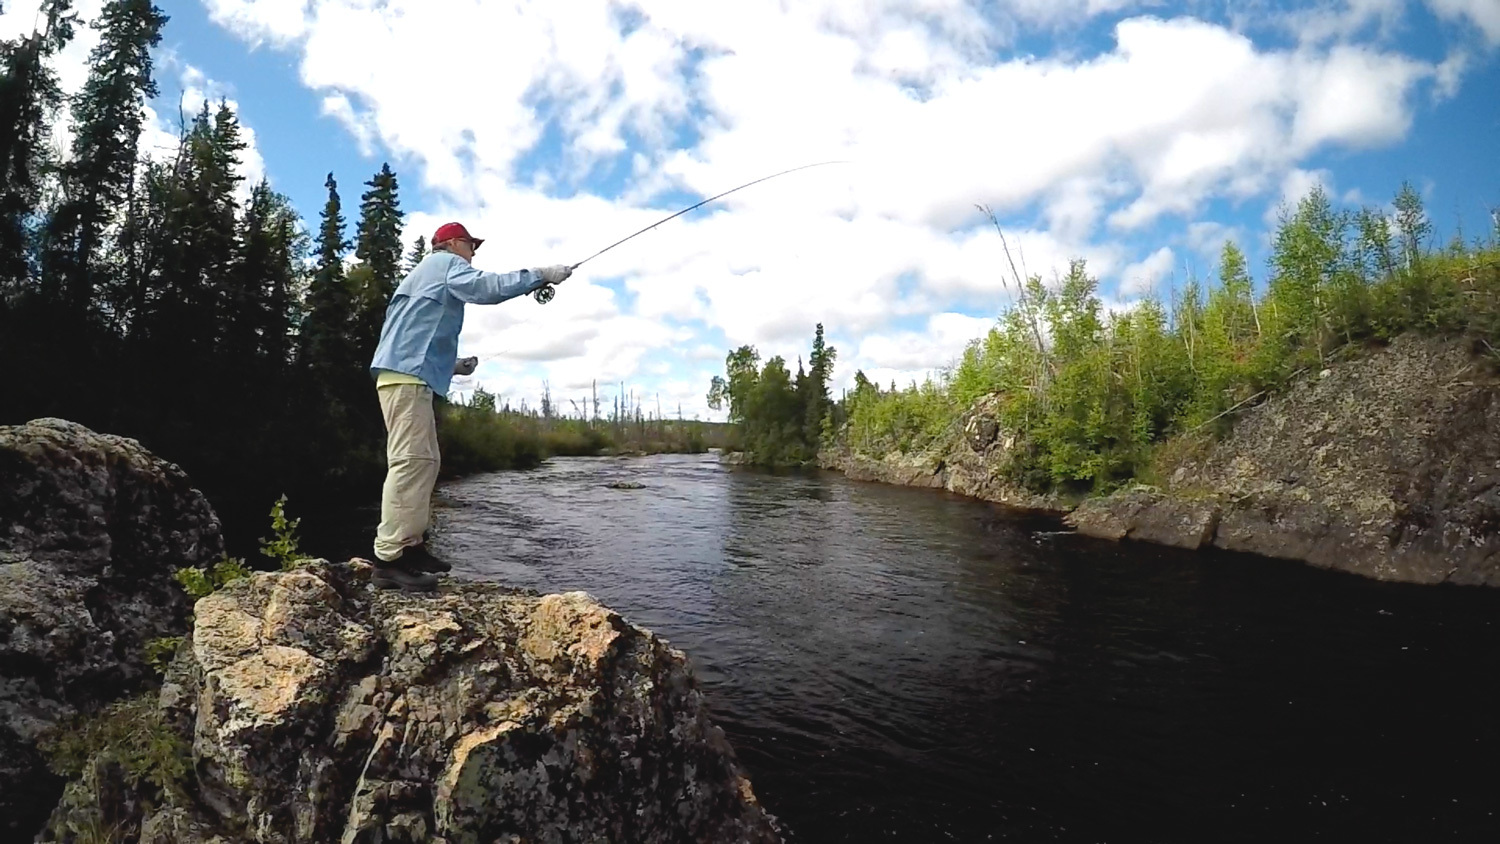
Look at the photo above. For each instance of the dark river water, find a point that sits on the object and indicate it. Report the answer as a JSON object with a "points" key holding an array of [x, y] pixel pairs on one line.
{"points": [[898, 664]]}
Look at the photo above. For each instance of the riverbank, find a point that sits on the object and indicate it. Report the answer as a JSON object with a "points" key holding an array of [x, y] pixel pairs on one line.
{"points": [[1385, 464], [304, 704]]}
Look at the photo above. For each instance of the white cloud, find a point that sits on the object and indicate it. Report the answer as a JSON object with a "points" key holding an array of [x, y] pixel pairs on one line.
{"points": [[1450, 74], [278, 21], [938, 345], [1148, 274], [1072, 152], [1207, 238], [1484, 14], [1353, 97], [1325, 22]]}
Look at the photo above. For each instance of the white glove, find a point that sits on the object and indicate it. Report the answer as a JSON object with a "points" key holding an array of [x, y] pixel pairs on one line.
{"points": [[556, 274], [465, 366]]}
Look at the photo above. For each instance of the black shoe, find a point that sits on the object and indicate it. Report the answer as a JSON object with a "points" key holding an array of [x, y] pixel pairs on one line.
{"points": [[395, 575], [418, 558]]}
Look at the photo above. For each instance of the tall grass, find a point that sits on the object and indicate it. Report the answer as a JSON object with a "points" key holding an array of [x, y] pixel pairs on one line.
{"points": [[479, 436]]}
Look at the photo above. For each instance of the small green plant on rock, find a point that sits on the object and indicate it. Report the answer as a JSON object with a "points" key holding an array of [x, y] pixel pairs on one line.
{"points": [[160, 651], [282, 546], [199, 582]]}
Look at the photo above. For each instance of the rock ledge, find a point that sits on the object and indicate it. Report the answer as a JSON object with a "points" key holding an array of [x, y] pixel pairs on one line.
{"points": [[320, 709]]}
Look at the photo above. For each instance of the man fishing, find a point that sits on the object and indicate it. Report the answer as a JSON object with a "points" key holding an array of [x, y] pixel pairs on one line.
{"points": [[417, 359]]}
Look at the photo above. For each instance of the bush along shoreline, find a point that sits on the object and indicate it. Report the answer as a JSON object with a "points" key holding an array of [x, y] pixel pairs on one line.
{"points": [[1310, 417], [484, 435], [1091, 396]]}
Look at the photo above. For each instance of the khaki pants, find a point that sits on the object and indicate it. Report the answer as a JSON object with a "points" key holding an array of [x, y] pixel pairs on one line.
{"points": [[411, 456]]}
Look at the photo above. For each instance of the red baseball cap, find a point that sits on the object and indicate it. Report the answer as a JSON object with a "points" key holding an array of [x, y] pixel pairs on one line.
{"points": [[448, 231]]}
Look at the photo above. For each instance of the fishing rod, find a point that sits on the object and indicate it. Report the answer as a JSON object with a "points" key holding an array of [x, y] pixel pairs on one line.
{"points": [[545, 293]]}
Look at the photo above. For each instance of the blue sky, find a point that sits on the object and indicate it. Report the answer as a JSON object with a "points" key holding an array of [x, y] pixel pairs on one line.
{"points": [[1135, 133]]}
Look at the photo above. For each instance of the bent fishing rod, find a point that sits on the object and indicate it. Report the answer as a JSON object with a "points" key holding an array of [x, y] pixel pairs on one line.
{"points": [[545, 293]]}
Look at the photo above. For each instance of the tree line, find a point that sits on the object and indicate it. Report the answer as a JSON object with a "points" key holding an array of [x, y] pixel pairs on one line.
{"points": [[1090, 394], [782, 418], [162, 298]]}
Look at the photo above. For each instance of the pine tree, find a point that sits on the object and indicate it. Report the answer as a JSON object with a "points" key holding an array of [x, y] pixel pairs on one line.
{"points": [[417, 253], [325, 334], [379, 249], [28, 98], [267, 270], [96, 182], [822, 359]]}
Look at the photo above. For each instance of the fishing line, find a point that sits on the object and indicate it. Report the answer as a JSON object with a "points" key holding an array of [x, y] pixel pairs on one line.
{"points": [[545, 293]]}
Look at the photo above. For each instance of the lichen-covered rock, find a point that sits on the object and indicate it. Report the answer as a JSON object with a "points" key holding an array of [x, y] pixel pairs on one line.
{"points": [[1148, 516], [322, 710], [1386, 465], [91, 528]]}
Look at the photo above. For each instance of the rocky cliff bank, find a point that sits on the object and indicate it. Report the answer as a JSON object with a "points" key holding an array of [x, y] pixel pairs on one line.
{"points": [[311, 707], [1386, 465], [91, 529], [307, 706]]}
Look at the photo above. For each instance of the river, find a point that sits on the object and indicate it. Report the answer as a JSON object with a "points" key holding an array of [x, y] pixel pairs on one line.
{"points": [[899, 664]]}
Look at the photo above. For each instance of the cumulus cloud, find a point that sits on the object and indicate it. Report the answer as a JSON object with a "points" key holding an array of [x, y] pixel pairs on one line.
{"points": [[1076, 153], [277, 21], [1148, 274], [1484, 14], [184, 86], [1342, 20]]}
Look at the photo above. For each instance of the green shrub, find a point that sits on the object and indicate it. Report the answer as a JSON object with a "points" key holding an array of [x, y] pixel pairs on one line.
{"points": [[1090, 397], [160, 652], [476, 439], [199, 582], [131, 733]]}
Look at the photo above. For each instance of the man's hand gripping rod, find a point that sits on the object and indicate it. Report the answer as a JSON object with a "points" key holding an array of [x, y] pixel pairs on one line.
{"points": [[545, 293]]}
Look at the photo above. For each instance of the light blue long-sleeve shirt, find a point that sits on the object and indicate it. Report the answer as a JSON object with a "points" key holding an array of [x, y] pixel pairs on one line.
{"points": [[420, 335]]}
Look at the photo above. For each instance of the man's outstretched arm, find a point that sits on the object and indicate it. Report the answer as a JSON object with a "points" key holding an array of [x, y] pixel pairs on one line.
{"points": [[478, 287]]}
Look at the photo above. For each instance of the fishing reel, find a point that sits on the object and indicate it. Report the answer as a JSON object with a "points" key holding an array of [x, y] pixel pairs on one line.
{"points": [[544, 294]]}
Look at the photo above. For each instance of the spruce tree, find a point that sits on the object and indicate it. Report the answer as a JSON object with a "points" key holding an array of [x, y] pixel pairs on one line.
{"points": [[28, 98], [822, 359], [417, 253], [379, 249], [1239, 297], [96, 182], [325, 334], [266, 272]]}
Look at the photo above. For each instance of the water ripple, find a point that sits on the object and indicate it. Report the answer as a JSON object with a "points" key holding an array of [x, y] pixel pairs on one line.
{"points": [[898, 664]]}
